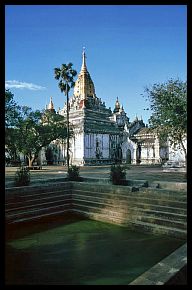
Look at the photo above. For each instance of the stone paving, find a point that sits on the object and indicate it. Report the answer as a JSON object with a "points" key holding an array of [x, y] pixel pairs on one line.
{"points": [[137, 172]]}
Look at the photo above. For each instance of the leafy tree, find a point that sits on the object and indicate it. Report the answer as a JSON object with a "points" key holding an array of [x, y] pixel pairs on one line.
{"points": [[168, 102], [10, 144], [12, 111], [36, 130], [66, 75]]}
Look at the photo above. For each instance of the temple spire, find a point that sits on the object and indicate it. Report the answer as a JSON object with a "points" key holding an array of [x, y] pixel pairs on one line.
{"points": [[84, 86], [117, 106], [51, 106], [84, 67]]}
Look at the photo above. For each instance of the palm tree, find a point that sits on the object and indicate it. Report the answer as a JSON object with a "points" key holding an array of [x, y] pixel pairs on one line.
{"points": [[65, 75]]}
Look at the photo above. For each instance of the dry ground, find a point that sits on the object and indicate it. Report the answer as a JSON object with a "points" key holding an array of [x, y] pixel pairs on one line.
{"points": [[136, 172]]}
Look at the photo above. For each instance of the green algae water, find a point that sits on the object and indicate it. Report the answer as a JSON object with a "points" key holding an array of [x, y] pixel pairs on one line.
{"points": [[82, 252]]}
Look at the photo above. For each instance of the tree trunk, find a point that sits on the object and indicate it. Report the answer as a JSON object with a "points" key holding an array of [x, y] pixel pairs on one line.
{"points": [[185, 153], [31, 160], [186, 164], [67, 126]]}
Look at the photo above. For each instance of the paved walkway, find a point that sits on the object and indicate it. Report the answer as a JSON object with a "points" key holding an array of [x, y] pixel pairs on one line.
{"points": [[136, 172]]}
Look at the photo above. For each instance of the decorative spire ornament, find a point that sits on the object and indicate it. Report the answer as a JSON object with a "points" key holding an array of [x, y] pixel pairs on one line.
{"points": [[83, 67], [51, 106]]}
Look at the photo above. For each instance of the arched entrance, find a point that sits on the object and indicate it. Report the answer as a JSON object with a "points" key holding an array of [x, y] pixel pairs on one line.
{"points": [[138, 154], [118, 154], [128, 156]]}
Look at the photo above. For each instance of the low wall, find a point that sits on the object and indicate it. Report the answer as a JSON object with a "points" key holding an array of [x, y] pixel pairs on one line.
{"points": [[32, 202], [172, 185], [150, 209], [170, 271]]}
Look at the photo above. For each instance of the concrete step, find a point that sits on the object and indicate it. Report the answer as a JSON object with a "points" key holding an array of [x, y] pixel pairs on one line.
{"points": [[19, 196], [156, 210], [156, 229], [40, 198], [35, 213], [162, 221], [130, 214], [38, 216], [135, 225], [160, 207], [135, 196], [146, 203], [128, 190], [36, 189], [132, 208], [38, 205]]}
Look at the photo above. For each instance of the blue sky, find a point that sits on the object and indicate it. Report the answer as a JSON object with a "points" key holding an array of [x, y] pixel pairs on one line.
{"points": [[128, 47]]}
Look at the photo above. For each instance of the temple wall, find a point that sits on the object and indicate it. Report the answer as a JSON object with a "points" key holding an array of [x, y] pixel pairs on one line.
{"points": [[96, 143], [128, 145], [89, 146], [176, 154], [157, 148], [78, 146], [164, 153]]}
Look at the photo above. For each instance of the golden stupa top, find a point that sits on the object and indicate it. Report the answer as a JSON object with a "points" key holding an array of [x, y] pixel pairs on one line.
{"points": [[84, 86], [117, 104], [84, 67], [50, 106]]}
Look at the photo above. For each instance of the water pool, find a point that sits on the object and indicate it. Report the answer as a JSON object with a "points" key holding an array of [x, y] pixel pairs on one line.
{"points": [[78, 251]]}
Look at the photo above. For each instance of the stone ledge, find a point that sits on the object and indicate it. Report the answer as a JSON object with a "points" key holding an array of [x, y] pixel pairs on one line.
{"points": [[117, 194], [170, 185], [174, 169], [165, 270]]}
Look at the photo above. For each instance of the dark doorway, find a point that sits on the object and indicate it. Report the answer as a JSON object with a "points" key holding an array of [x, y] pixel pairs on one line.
{"points": [[128, 156], [138, 154]]}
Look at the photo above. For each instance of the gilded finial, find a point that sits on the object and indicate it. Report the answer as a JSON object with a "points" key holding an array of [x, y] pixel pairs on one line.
{"points": [[117, 104], [50, 106], [83, 67]]}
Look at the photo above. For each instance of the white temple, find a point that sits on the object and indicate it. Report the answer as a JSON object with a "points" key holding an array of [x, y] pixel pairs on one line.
{"points": [[103, 136]]}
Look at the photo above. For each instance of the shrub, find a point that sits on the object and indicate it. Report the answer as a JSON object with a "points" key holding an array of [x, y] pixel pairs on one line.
{"points": [[118, 174], [73, 173], [127, 167], [22, 176]]}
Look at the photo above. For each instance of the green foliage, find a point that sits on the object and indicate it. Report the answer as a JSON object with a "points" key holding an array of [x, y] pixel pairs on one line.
{"points": [[168, 102], [56, 123], [11, 110], [117, 174], [22, 176], [35, 130], [28, 131], [73, 173], [11, 119], [65, 76]]}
